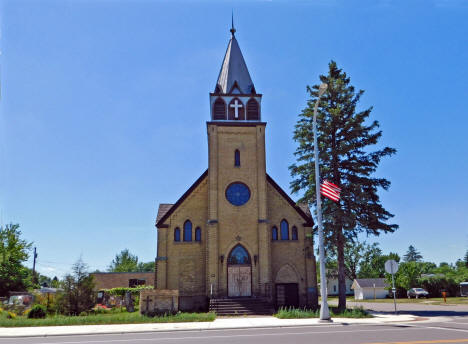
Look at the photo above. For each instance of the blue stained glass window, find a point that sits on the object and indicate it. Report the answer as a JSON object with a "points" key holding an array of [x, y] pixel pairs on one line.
{"points": [[177, 234], [236, 158], [274, 233], [238, 194], [284, 230], [188, 231], [294, 233], [198, 234], [239, 255]]}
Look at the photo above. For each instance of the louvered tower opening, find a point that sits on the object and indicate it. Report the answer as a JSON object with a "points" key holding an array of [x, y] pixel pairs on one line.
{"points": [[252, 110], [219, 109]]}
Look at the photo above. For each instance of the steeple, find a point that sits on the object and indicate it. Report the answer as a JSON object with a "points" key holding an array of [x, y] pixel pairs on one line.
{"points": [[235, 97], [234, 70]]}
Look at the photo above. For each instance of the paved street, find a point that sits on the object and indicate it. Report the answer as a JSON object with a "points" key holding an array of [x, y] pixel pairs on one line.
{"points": [[420, 309], [455, 330]]}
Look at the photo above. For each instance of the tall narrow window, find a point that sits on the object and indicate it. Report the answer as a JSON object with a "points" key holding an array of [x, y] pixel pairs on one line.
{"points": [[252, 110], [219, 109], [294, 233], [236, 158], [284, 230], [198, 234], [177, 234], [188, 231], [274, 233]]}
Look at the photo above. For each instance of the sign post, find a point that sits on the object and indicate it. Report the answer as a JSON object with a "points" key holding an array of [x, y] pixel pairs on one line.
{"points": [[391, 267]]}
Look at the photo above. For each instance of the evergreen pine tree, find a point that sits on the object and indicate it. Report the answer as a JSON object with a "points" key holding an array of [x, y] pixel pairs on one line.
{"points": [[412, 255], [344, 139]]}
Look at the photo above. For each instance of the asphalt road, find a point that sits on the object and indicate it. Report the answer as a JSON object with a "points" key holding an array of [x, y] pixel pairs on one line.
{"points": [[420, 309], [453, 331]]}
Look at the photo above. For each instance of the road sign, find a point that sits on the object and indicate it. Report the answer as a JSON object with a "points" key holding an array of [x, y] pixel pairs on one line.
{"points": [[391, 266]]}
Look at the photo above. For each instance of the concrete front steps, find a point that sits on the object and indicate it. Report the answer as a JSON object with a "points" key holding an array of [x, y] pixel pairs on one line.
{"points": [[241, 306]]}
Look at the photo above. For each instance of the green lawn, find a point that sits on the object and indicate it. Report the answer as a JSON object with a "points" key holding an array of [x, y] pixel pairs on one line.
{"points": [[102, 319], [297, 313]]}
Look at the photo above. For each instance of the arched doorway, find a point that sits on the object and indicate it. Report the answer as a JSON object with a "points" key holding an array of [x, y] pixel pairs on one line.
{"points": [[239, 267]]}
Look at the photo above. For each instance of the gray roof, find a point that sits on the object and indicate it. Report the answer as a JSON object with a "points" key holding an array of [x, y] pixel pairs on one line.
{"points": [[162, 210], [305, 208], [369, 282], [234, 70]]}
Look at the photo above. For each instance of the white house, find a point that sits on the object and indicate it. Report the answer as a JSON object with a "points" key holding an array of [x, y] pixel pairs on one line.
{"points": [[370, 288]]}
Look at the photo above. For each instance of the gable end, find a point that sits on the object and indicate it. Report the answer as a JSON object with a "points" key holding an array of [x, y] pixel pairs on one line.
{"points": [[160, 222]]}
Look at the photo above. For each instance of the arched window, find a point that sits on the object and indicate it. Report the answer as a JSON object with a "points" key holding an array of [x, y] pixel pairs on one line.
{"points": [[252, 110], [219, 109], [188, 231], [198, 234], [236, 158], [239, 255], [284, 230], [177, 234], [294, 233], [274, 233]]}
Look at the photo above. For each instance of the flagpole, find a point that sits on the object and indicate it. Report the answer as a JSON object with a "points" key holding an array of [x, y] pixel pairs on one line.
{"points": [[324, 311]]}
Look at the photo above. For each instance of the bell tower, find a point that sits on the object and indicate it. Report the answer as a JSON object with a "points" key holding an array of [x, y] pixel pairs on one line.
{"points": [[234, 97], [237, 194]]}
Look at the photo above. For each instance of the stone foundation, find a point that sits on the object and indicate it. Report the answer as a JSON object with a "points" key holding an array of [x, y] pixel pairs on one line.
{"points": [[159, 301]]}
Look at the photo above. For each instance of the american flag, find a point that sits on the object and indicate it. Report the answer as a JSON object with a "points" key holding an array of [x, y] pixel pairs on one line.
{"points": [[330, 191]]}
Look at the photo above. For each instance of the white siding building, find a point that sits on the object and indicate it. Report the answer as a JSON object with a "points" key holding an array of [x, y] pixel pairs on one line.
{"points": [[370, 288]]}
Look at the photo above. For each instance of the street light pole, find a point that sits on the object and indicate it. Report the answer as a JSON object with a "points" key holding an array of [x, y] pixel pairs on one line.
{"points": [[324, 311]]}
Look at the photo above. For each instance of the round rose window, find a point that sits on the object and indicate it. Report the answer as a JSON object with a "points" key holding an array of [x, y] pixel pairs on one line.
{"points": [[238, 194]]}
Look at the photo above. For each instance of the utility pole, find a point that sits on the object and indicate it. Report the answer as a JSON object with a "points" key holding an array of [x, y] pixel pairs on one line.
{"points": [[34, 266], [324, 311]]}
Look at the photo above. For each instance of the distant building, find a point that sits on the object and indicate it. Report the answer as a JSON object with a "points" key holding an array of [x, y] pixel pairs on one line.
{"points": [[370, 288], [109, 280], [332, 284]]}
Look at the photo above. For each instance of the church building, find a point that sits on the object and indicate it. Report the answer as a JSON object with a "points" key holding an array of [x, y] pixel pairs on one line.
{"points": [[235, 233]]}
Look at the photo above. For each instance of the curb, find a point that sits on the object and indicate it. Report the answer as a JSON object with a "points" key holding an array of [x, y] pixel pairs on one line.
{"points": [[332, 324]]}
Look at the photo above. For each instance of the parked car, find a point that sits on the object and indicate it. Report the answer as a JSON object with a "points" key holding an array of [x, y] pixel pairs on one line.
{"points": [[417, 293]]}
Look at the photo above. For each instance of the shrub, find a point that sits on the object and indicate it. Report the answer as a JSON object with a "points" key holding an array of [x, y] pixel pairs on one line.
{"points": [[37, 312], [101, 309], [83, 314], [11, 315], [120, 291]]}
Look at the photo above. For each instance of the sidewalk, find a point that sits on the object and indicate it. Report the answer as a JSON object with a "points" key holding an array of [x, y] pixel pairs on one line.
{"points": [[218, 324]]}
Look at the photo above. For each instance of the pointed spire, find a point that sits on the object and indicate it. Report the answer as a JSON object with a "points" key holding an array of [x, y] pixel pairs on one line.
{"points": [[233, 31], [234, 70]]}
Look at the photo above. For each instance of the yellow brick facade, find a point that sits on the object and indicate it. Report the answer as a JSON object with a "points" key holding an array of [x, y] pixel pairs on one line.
{"points": [[280, 271], [199, 269]]}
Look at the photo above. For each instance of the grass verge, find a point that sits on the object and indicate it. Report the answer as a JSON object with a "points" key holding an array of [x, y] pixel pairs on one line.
{"points": [[298, 313], [103, 319]]}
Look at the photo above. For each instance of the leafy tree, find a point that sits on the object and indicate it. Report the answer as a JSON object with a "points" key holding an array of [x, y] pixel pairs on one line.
{"points": [[466, 258], [124, 262], [145, 267], [78, 288], [128, 262], [412, 255], [345, 138], [14, 251], [55, 283]]}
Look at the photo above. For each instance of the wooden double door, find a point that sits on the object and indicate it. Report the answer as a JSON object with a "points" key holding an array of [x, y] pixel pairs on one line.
{"points": [[239, 280]]}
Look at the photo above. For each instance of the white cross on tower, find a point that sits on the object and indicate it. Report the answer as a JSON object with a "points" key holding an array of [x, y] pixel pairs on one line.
{"points": [[236, 107]]}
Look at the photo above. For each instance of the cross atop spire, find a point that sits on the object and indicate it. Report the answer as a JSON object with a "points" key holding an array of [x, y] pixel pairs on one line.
{"points": [[233, 31]]}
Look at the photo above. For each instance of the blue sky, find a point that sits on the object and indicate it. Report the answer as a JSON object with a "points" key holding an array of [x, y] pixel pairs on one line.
{"points": [[104, 105]]}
